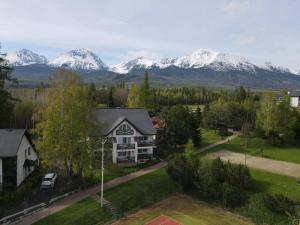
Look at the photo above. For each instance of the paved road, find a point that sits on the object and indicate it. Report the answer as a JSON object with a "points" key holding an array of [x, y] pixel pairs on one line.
{"points": [[274, 166], [68, 201]]}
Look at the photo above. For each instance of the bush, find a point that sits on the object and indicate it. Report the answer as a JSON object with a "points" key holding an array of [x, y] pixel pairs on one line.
{"points": [[211, 180], [259, 213], [280, 204]]}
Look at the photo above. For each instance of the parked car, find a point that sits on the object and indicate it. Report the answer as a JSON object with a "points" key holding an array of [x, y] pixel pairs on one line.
{"points": [[49, 180]]}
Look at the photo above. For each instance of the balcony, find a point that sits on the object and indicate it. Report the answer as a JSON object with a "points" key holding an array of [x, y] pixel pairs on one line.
{"points": [[125, 159], [146, 143], [125, 146]]}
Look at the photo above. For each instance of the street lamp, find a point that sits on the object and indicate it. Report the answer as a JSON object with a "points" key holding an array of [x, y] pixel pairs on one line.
{"points": [[103, 141]]}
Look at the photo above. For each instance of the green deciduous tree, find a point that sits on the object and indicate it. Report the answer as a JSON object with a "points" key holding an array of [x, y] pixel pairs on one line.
{"points": [[66, 125]]}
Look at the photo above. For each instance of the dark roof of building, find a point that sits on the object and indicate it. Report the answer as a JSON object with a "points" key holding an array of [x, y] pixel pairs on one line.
{"points": [[139, 118], [10, 140], [295, 93]]}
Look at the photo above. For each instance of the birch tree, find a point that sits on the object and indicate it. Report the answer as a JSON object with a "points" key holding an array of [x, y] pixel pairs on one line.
{"points": [[66, 125]]}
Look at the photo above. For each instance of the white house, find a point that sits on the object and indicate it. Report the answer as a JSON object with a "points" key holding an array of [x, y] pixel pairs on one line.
{"points": [[18, 158], [132, 131], [295, 98]]}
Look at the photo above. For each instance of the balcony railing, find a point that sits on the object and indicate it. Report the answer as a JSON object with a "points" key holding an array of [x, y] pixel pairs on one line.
{"points": [[125, 159], [145, 143], [125, 146], [144, 156]]}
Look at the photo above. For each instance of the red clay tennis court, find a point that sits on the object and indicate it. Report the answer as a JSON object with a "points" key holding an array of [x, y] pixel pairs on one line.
{"points": [[163, 220]]}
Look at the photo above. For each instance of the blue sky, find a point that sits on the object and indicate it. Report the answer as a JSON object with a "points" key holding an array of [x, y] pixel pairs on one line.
{"points": [[260, 30]]}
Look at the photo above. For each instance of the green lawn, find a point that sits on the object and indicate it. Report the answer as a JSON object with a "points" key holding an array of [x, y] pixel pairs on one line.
{"points": [[85, 212], [272, 183], [142, 191], [209, 137], [112, 171], [255, 146]]}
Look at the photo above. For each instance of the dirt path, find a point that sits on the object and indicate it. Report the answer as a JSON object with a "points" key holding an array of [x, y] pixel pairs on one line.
{"points": [[274, 166], [68, 201], [218, 143]]}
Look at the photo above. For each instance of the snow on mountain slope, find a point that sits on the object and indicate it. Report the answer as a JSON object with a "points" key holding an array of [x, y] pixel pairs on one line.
{"points": [[139, 62], [269, 66], [79, 59], [197, 59], [25, 57]]}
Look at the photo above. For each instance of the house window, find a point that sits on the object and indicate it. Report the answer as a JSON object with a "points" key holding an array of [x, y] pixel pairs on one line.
{"points": [[121, 153], [126, 140], [143, 151], [29, 150]]}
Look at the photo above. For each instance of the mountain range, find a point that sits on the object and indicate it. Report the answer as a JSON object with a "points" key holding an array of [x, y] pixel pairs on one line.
{"points": [[200, 68]]}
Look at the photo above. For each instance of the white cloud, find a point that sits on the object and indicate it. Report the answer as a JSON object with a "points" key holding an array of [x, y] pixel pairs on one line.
{"points": [[235, 6]]}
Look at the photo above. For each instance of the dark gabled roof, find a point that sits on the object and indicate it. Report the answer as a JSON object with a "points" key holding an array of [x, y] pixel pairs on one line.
{"points": [[10, 140], [111, 118], [295, 93]]}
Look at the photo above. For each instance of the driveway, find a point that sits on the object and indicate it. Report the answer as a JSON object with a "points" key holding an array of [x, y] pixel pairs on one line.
{"points": [[68, 201], [273, 166]]}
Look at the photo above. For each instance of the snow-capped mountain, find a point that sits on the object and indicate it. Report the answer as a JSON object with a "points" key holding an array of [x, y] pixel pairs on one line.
{"points": [[201, 67], [25, 57], [79, 59], [197, 59]]}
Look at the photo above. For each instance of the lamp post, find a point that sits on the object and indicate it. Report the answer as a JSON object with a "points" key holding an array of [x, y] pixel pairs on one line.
{"points": [[103, 141]]}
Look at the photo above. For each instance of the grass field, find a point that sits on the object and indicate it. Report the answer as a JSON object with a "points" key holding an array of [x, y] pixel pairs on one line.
{"points": [[272, 183], [85, 212], [209, 137], [142, 191], [255, 146], [184, 210], [112, 171]]}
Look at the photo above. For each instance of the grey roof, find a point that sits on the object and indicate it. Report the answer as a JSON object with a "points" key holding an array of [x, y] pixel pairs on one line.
{"points": [[295, 93], [10, 140], [139, 118]]}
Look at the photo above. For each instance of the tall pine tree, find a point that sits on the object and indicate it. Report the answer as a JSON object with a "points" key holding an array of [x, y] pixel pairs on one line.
{"points": [[6, 100]]}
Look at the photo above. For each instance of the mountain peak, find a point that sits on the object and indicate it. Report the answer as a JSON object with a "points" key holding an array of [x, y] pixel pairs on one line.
{"points": [[78, 59], [25, 57]]}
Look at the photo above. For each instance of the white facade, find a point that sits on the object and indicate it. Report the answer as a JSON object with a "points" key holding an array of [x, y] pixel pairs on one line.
{"points": [[131, 145], [25, 151], [295, 101]]}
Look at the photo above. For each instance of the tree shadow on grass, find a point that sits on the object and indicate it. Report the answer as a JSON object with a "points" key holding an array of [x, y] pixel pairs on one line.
{"points": [[261, 186]]}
